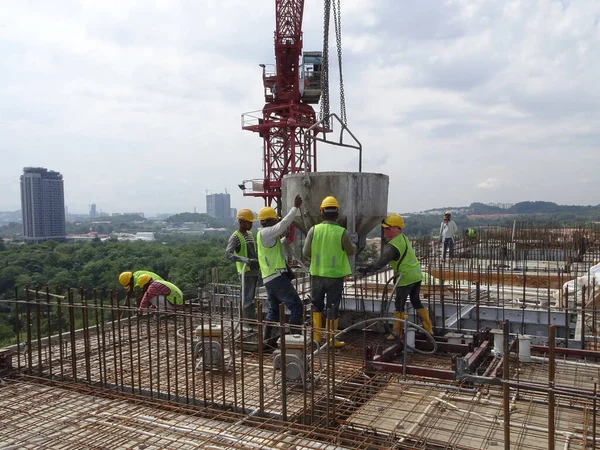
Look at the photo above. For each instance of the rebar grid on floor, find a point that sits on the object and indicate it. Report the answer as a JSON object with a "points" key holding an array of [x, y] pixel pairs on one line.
{"points": [[152, 360]]}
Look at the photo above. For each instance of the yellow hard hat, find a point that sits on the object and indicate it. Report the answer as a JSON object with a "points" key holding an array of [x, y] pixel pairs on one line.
{"points": [[447, 213], [393, 220], [245, 214], [329, 202], [267, 213], [143, 280], [125, 278]]}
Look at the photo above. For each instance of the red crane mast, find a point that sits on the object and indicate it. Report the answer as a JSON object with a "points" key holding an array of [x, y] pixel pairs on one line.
{"points": [[289, 91]]}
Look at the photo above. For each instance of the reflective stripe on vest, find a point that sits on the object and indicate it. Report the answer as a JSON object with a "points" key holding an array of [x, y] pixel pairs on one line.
{"points": [[270, 259], [408, 266], [243, 250], [175, 297], [327, 256]]}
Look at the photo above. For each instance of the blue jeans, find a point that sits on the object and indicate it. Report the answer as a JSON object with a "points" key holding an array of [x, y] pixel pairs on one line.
{"points": [[403, 292], [249, 305], [281, 290], [331, 288], [448, 244]]}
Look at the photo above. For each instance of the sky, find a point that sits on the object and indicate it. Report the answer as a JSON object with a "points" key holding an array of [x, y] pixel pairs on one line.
{"points": [[138, 103]]}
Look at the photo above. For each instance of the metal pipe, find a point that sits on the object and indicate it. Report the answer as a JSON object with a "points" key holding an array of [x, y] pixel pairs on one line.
{"points": [[505, 386], [551, 400]]}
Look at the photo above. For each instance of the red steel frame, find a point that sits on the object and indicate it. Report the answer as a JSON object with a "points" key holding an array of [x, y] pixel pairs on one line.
{"points": [[285, 118]]}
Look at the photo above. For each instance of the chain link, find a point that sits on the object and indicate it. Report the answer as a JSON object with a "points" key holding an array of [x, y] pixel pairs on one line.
{"points": [[324, 113], [337, 22]]}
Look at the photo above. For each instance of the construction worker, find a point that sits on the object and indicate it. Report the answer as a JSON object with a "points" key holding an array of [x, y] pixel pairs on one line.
{"points": [[448, 231], [158, 295], [399, 252], [328, 246], [273, 269], [241, 248], [129, 280]]}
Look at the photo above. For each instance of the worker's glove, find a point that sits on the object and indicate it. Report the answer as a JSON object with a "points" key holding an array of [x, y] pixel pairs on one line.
{"points": [[244, 260], [354, 238]]}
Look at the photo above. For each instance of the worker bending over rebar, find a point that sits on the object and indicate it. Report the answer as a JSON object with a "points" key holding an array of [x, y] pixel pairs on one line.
{"points": [[399, 253], [328, 246], [274, 270], [159, 295]]}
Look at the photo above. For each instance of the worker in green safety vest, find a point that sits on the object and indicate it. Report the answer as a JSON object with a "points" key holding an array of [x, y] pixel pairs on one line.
{"points": [[399, 253], [328, 246], [274, 271], [159, 295], [241, 248], [129, 280]]}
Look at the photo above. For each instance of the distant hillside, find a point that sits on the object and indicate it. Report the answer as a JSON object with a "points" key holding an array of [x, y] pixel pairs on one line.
{"points": [[10, 216], [538, 207]]}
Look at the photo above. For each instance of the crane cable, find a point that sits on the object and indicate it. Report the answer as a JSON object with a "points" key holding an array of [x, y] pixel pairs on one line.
{"points": [[337, 24], [324, 113]]}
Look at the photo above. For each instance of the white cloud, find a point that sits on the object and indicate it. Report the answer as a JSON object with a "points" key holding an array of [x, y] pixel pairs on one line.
{"points": [[490, 183], [116, 95]]}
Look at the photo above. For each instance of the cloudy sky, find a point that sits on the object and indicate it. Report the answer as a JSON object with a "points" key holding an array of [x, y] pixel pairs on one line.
{"points": [[138, 103]]}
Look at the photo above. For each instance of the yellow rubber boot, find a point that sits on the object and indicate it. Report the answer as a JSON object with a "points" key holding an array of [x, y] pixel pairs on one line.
{"points": [[333, 326], [423, 314], [317, 318], [398, 327]]}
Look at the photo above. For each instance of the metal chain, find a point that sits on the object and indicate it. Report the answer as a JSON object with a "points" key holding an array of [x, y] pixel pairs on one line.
{"points": [[324, 113], [337, 22]]}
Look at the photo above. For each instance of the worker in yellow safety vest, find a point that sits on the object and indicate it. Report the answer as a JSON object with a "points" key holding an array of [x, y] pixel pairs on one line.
{"points": [[159, 295], [328, 246], [241, 248], [399, 253], [274, 270]]}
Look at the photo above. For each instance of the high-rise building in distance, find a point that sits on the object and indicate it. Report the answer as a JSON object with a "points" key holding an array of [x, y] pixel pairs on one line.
{"points": [[42, 205], [218, 206]]}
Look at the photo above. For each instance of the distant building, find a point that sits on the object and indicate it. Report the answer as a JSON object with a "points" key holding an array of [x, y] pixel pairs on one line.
{"points": [[501, 205], [42, 205], [233, 213], [218, 206], [93, 211]]}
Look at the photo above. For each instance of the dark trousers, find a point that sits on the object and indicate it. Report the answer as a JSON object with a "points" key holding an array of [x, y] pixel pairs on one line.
{"points": [[247, 297], [330, 288], [448, 244], [281, 290], [404, 292]]}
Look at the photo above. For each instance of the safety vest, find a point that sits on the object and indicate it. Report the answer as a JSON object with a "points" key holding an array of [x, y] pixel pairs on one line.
{"points": [[139, 273], [243, 250], [471, 232], [327, 256], [270, 259], [175, 297], [408, 266]]}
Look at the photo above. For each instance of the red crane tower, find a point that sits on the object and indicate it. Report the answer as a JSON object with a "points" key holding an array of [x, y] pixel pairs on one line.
{"points": [[289, 90]]}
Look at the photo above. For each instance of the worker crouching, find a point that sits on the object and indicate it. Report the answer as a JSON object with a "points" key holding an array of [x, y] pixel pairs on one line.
{"points": [[328, 246], [273, 269], [399, 253], [159, 295]]}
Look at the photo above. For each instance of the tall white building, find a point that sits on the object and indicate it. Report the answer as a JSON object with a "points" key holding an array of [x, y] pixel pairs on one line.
{"points": [[42, 205], [218, 206]]}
